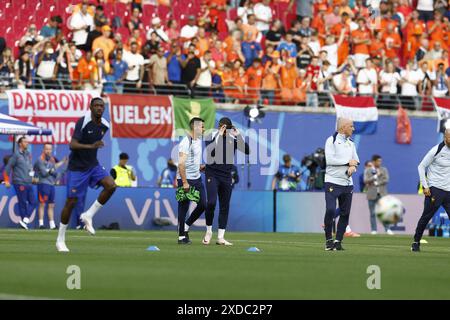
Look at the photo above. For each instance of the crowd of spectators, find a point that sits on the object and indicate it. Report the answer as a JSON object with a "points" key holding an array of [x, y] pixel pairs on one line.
{"points": [[396, 50]]}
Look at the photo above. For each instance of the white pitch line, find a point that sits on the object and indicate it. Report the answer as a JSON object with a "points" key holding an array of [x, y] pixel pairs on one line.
{"points": [[8, 296]]}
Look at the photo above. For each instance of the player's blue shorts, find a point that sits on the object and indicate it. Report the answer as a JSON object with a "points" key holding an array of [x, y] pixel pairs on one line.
{"points": [[79, 181], [46, 193]]}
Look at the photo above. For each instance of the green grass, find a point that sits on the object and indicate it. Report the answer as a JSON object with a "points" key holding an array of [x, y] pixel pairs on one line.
{"points": [[116, 265]]}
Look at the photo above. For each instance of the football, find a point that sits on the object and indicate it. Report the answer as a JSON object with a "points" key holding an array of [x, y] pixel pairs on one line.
{"points": [[389, 209]]}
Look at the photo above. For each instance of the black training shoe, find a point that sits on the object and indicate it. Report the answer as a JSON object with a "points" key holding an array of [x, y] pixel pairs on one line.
{"points": [[186, 234], [338, 246], [184, 241], [415, 247], [329, 245], [41, 227]]}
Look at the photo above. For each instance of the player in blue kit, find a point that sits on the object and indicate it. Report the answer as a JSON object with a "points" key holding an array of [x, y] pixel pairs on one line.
{"points": [[85, 171]]}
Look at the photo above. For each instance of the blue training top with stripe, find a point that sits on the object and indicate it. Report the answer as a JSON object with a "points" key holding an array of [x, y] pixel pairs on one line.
{"points": [[86, 132]]}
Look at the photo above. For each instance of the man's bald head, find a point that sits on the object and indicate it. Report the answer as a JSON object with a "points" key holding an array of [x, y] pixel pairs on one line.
{"points": [[345, 126], [447, 137]]}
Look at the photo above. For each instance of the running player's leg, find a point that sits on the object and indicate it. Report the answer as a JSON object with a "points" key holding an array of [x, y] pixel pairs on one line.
{"points": [[225, 190], [98, 176], [77, 184]]}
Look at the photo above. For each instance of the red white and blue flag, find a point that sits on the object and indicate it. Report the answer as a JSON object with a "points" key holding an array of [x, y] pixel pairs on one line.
{"points": [[362, 110], [442, 106]]}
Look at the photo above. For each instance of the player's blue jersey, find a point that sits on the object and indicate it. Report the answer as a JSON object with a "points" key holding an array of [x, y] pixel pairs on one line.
{"points": [[86, 132], [284, 181]]}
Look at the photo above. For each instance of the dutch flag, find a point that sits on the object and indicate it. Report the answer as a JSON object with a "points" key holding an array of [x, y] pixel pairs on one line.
{"points": [[362, 110]]}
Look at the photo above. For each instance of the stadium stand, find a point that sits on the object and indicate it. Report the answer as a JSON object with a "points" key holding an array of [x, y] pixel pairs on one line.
{"points": [[256, 51]]}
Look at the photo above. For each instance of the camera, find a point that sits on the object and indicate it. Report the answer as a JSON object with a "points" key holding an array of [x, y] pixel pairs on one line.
{"points": [[316, 165]]}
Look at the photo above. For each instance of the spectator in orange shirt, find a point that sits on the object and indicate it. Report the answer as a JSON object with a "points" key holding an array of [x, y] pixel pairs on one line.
{"points": [[229, 43], [288, 77], [250, 27], [386, 20], [377, 45], [255, 75], [234, 81], [228, 80], [361, 39], [392, 42], [344, 48], [413, 43], [203, 42], [86, 72], [271, 79], [437, 29], [240, 80], [318, 22], [106, 44], [412, 24]]}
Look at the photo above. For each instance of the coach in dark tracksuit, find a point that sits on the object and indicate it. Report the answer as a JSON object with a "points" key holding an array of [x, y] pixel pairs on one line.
{"points": [[22, 179], [342, 161], [221, 146], [434, 172]]}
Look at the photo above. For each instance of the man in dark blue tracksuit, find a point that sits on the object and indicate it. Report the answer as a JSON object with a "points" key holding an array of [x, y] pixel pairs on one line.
{"points": [[221, 147], [342, 161]]}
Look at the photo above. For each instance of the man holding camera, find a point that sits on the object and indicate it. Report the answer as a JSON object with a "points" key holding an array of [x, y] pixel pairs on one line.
{"points": [[342, 162], [376, 179], [287, 177], [221, 147]]}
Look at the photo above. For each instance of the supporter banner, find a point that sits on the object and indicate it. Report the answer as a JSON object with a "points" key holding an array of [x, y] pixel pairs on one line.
{"points": [[442, 106], [362, 110], [139, 116], [56, 110], [185, 109]]}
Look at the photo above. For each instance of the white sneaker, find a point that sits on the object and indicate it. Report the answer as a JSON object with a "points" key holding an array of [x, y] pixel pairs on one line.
{"points": [[223, 242], [390, 232], [207, 238], [87, 224], [61, 247], [23, 225], [373, 232]]}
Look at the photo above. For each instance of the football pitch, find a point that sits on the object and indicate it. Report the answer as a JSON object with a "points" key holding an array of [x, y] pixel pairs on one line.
{"points": [[117, 265]]}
